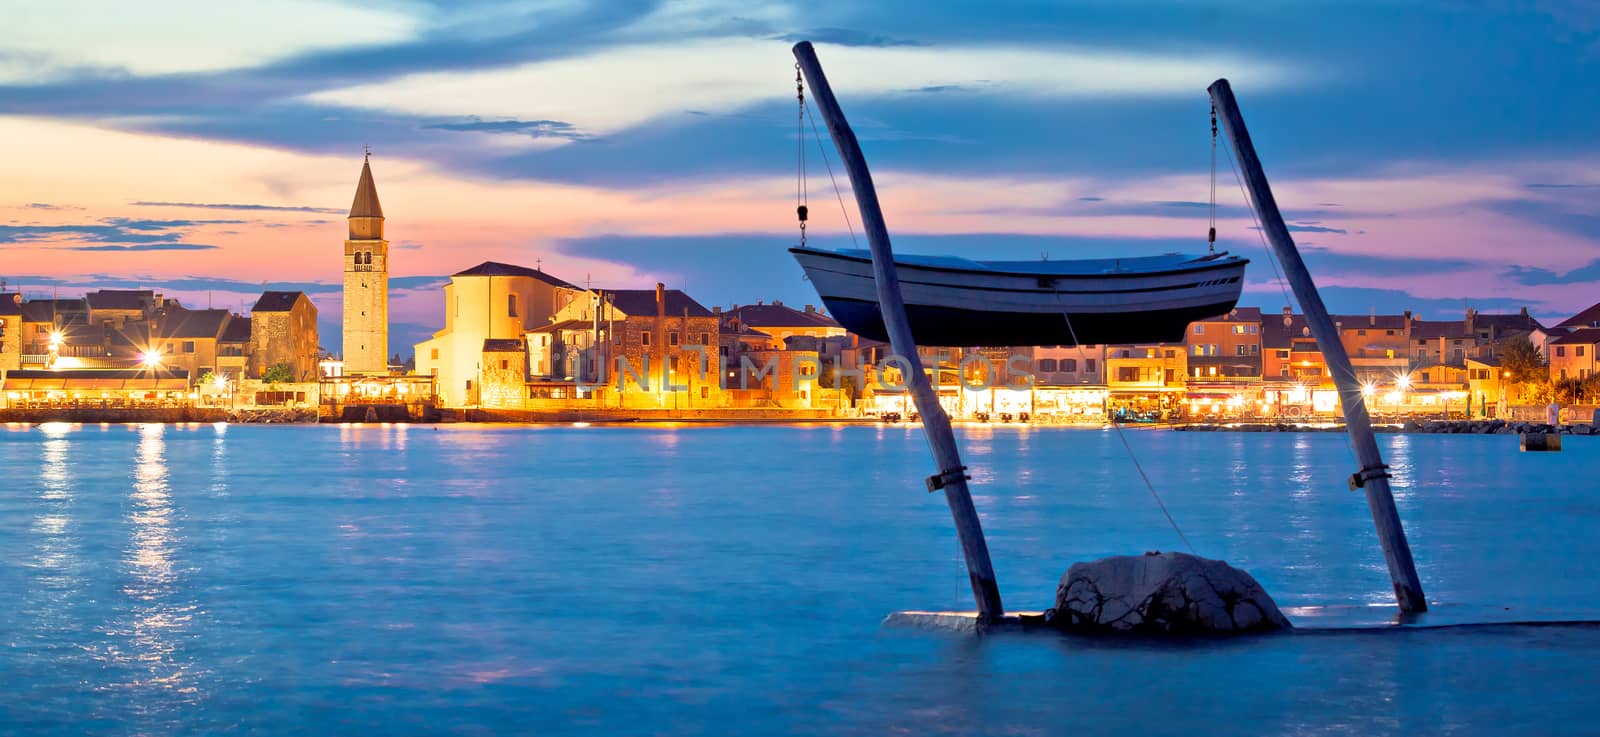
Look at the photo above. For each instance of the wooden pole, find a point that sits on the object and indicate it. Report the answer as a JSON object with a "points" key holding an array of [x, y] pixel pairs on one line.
{"points": [[1373, 477], [952, 476]]}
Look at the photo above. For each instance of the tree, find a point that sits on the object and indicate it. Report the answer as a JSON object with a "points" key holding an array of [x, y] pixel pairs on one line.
{"points": [[1529, 373], [279, 374], [208, 377]]}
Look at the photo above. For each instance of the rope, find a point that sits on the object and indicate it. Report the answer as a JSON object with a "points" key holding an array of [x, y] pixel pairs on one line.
{"points": [[1261, 231], [836, 192], [1125, 444], [1211, 235]]}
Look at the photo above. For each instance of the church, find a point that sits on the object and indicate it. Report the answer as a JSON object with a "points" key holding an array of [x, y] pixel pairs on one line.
{"points": [[366, 282]]}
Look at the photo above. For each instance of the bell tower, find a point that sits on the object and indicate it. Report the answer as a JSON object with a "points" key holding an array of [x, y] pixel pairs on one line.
{"points": [[366, 282]]}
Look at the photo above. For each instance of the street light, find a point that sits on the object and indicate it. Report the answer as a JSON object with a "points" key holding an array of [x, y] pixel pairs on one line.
{"points": [[150, 359]]}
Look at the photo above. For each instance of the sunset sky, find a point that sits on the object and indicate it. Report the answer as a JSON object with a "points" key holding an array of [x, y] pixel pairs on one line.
{"points": [[1428, 157]]}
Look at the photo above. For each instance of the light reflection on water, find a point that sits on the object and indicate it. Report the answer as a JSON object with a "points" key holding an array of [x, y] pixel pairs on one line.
{"points": [[457, 580], [156, 613]]}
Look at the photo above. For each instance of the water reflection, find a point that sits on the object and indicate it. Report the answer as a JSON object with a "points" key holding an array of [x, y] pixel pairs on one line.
{"points": [[57, 575], [158, 616]]}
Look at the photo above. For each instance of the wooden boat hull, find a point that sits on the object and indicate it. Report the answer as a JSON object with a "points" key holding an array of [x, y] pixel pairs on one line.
{"points": [[984, 307]]}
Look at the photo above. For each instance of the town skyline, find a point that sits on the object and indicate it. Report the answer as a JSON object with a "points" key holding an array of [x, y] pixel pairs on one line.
{"points": [[140, 163]]}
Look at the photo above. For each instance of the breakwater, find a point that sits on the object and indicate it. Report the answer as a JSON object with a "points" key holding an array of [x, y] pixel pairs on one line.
{"points": [[1447, 427]]}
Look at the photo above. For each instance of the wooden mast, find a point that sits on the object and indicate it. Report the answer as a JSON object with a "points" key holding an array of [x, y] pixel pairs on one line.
{"points": [[1373, 476], [952, 477]]}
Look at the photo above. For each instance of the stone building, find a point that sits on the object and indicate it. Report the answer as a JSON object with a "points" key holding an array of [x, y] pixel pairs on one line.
{"points": [[781, 322], [283, 331], [10, 332], [1572, 355], [366, 282], [504, 376], [187, 340], [490, 301]]}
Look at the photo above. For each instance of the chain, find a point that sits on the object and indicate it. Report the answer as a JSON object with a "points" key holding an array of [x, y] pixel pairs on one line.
{"points": [[800, 193]]}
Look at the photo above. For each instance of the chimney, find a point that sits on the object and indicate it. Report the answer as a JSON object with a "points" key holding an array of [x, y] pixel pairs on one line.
{"points": [[661, 296], [1372, 319], [777, 303], [1288, 316], [811, 308], [716, 309], [1524, 312], [1472, 319]]}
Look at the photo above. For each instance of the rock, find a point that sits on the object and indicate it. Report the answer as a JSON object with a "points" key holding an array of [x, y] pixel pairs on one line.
{"points": [[1162, 594]]}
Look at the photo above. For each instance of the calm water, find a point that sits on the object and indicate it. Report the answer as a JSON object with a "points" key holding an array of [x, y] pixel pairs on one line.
{"points": [[731, 580]]}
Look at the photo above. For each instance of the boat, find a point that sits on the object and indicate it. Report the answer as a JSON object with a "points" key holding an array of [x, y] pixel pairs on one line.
{"points": [[953, 301]]}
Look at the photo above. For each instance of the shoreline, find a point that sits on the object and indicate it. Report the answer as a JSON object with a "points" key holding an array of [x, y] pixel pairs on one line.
{"points": [[192, 415]]}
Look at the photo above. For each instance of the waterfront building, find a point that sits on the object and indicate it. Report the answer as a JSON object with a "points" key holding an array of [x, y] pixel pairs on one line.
{"points": [[650, 330], [10, 332], [283, 329], [1587, 318], [123, 388], [1224, 380], [1487, 387], [490, 301], [188, 340], [781, 322], [366, 281], [1572, 355], [1146, 381]]}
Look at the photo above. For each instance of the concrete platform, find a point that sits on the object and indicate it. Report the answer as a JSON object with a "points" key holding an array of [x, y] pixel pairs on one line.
{"points": [[1305, 618]]}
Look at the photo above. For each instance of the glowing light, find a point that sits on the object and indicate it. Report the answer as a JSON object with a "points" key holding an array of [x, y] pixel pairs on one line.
{"points": [[55, 339], [150, 358], [1404, 381], [1369, 389], [220, 381]]}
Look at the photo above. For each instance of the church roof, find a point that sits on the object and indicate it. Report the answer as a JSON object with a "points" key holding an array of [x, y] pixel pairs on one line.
{"points": [[495, 268], [276, 301], [642, 303], [503, 345], [366, 202]]}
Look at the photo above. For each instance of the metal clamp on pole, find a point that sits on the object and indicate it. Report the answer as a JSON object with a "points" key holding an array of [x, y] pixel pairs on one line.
{"points": [[1360, 478], [944, 478]]}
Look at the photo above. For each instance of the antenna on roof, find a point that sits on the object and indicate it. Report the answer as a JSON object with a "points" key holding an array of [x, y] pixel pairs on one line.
{"points": [[366, 151]]}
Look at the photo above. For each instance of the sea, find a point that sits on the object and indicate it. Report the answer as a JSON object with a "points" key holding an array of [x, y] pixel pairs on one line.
{"points": [[704, 579]]}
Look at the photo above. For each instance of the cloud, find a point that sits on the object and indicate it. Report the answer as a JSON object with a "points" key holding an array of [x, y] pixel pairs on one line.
{"points": [[534, 128], [846, 37], [228, 206], [144, 247], [1563, 186], [1533, 276], [161, 38], [603, 91], [1314, 229], [417, 282], [111, 234]]}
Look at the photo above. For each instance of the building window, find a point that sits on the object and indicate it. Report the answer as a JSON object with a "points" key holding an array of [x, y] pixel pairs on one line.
{"points": [[644, 339], [434, 354], [1069, 364], [1199, 329], [705, 392], [1561, 351], [1127, 373], [1088, 364], [1283, 371], [1238, 330], [511, 305], [1577, 351], [1172, 375], [1283, 354], [1388, 332], [705, 339], [1252, 329], [1361, 332], [1244, 350], [188, 347], [1149, 353], [672, 337], [505, 364], [1047, 365], [1199, 350], [1172, 353]]}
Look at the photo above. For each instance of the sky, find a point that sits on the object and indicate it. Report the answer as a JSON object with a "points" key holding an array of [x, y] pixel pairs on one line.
{"points": [[1429, 156]]}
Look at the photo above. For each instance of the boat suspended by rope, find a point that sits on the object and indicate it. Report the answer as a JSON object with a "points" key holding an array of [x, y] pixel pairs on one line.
{"points": [[952, 301]]}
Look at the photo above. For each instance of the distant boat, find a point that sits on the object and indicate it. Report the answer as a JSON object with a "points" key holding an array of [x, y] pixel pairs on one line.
{"points": [[952, 301]]}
